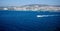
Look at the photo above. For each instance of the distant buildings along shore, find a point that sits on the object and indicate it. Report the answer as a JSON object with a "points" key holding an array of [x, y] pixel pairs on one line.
{"points": [[32, 7]]}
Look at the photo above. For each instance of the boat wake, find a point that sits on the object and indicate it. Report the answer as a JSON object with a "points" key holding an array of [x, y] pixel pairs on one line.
{"points": [[46, 15]]}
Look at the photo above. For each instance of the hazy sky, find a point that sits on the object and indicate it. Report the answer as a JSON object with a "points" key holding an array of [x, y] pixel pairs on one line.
{"points": [[25, 2]]}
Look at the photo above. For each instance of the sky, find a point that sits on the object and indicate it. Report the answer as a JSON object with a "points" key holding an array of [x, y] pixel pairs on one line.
{"points": [[27, 2]]}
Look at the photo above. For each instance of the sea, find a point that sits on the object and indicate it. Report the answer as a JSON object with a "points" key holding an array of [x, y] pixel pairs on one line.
{"points": [[13, 20]]}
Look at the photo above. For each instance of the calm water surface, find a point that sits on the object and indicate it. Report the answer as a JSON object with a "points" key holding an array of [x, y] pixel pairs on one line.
{"points": [[29, 21]]}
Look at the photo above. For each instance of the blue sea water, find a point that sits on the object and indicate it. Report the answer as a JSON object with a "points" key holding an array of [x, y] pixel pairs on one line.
{"points": [[28, 21]]}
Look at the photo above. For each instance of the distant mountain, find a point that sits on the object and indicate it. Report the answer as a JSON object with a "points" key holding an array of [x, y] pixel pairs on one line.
{"points": [[56, 5], [40, 5], [31, 5]]}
